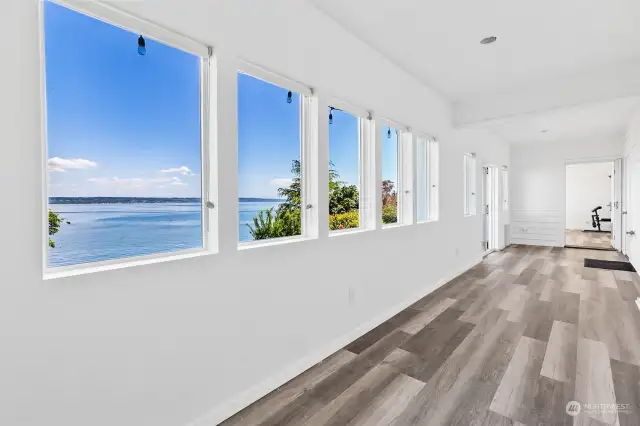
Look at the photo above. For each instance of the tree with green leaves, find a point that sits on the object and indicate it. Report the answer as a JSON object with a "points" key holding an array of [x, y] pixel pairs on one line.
{"points": [[389, 202], [54, 226], [285, 221], [292, 194]]}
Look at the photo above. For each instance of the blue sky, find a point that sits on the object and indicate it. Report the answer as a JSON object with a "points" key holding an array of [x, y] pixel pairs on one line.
{"points": [[343, 146], [268, 137], [122, 124], [389, 154], [118, 123]]}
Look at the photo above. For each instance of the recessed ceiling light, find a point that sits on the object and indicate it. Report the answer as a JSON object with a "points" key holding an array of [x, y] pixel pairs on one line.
{"points": [[488, 40]]}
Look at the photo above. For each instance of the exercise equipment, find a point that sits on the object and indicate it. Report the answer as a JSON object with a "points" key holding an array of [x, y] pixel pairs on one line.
{"points": [[596, 219]]}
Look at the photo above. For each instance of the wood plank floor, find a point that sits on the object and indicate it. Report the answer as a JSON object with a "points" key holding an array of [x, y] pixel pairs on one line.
{"points": [[510, 342], [598, 240]]}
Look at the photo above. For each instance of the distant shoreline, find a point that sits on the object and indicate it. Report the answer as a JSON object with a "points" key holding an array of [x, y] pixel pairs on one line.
{"points": [[146, 200]]}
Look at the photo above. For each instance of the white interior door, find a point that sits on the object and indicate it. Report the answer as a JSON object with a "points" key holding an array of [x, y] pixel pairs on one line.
{"points": [[633, 212], [616, 206]]}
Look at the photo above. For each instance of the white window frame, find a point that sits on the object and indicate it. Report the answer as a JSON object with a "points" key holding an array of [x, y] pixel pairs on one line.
{"points": [[404, 186], [208, 141], [308, 154], [430, 184], [505, 188], [365, 165], [469, 169]]}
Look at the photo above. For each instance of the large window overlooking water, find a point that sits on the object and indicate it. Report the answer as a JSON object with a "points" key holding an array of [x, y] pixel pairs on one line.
{"points": [[270, 176], [124, 142]]}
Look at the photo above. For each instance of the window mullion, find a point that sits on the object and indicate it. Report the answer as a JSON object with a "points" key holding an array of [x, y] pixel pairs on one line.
{"points": [[209, 154], [321, 163], [368, 174], [309, 167], [407, 177], [376, 191]]}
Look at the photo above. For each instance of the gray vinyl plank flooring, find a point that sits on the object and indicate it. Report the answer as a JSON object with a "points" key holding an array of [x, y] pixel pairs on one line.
{"points": [[388, 405], [509, 342], [560, 357], [626, 381]]}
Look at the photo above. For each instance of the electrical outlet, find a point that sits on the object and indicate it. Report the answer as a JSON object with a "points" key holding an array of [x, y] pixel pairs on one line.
{"points": [[457, 252], [352, 296]]}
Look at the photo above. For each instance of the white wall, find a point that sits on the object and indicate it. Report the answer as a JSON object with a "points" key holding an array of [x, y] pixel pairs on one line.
{"points": [[538, 185], [167, 343], [588, 186]]}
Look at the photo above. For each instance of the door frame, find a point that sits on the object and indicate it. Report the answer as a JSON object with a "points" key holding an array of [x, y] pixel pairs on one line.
{"points": [[617, 185], [624, 204], [490, 208]]}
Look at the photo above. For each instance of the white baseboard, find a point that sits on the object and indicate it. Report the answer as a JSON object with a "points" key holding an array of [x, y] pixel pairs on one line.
{"points": [[229, 408], [529, 242]]}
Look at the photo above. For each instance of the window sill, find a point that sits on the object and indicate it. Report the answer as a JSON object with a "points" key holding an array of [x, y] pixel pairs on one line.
{"points": [[342, 232], [272, 242], [110, 265], [394, 225]]}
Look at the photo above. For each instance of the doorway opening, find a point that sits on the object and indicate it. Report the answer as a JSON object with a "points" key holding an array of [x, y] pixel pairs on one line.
{"points": [[490, 207], [593, 192]]}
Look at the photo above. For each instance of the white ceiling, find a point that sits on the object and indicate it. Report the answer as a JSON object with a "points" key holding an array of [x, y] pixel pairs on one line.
{"points": [[566, 124], [550, 56], [438, 41]]}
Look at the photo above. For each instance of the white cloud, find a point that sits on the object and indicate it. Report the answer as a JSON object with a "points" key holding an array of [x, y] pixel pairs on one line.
{"points": [[57, 164], [281, 182], [184, 170], [136, 182], [177, 181]]}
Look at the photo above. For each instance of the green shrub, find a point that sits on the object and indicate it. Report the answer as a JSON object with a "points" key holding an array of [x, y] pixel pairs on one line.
{"points": [[390, 213], [282, 223], [347, 220]]}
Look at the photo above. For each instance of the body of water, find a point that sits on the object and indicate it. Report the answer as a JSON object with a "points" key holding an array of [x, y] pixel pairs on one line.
{"points": [[102, 231]]}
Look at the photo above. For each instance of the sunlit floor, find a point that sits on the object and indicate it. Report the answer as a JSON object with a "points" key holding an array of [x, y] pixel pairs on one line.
{"points": [[577, 238], [513, 341]]}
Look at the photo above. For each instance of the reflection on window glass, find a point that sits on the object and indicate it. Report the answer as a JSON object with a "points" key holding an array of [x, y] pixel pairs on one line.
{"points": [[123, 142], [422, 180], [344, 177], [389, 175], [269, 173]]}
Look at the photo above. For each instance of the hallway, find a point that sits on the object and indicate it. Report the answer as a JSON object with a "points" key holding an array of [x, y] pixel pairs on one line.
{"points": [[509, 342]]}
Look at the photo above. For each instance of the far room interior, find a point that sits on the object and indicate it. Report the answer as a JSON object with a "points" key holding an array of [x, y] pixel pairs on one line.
{"points": [[589, 205]]}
